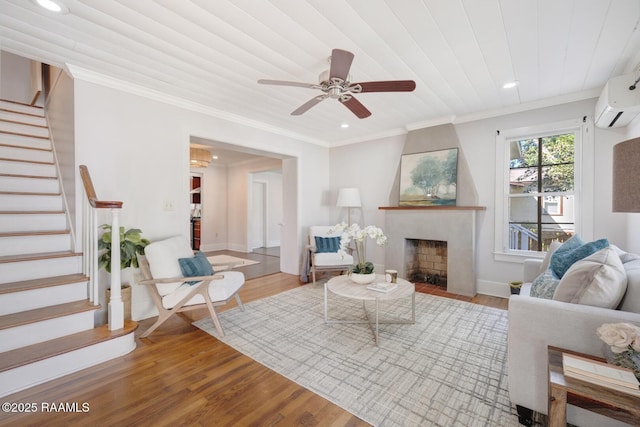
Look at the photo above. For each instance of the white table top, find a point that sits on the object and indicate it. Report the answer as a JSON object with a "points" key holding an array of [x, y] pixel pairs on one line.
{"points": [[343, 286]]}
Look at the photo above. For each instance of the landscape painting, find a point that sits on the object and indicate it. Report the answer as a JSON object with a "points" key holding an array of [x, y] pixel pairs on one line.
{"points": [[429, 178]]}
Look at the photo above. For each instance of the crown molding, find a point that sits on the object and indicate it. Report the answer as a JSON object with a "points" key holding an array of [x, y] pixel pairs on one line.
{"points": [[135, 89]]}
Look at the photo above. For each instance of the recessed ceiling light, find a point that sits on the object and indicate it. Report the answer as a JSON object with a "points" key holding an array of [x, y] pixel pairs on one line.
{"points": [[53, 6], [510, 85], [214, 157], [344, 125]]}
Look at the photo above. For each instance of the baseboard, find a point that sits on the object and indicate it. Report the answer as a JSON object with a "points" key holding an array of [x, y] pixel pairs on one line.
{"points": [[496, 289], [213, 247]]}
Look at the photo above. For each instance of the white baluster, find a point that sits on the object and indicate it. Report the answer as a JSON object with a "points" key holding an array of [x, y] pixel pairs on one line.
{"points": [[116, 306]]}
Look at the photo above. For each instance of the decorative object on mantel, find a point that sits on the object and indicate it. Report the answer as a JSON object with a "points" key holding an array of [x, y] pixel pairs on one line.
{"points": [[429, 178], [623, 345], [362, 272], [349, 198]]}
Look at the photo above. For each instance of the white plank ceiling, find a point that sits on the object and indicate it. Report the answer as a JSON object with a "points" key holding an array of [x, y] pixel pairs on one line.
{"points": [[460, 52]]}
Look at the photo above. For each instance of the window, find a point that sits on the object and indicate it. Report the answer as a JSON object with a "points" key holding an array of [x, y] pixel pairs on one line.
{"points": [[541, 191], [540, 196]]}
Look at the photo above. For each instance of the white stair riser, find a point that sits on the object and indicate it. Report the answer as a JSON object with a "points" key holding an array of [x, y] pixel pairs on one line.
{"points": [[18, 245], [21, 168], [33, 333], [23, 129], [26, 154], [23, 118], [24, 141], [16, 302], [32, 222], [21, 108], [39, 269], [21, 202], [39, 185], [23, 377]]}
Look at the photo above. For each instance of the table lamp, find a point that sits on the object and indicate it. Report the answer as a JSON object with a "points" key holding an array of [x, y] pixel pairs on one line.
{"points": [[349, 198]]}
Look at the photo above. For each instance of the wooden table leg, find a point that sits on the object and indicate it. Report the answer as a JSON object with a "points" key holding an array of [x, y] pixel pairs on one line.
{"points": [[557, 406]]}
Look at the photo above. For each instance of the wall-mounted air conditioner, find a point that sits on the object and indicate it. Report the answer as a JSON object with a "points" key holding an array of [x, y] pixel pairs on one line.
{"points": [[618, 104]]}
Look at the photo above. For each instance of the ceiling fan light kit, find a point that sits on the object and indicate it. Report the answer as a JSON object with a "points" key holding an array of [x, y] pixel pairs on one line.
{"points": [[336, 83]]}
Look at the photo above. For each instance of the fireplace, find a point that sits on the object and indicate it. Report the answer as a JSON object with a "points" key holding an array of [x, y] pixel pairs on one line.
{"points": [[455, 225], [426, 261]]}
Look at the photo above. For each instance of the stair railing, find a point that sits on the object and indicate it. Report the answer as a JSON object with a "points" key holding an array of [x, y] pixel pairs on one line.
{"points": [[90, 207]]}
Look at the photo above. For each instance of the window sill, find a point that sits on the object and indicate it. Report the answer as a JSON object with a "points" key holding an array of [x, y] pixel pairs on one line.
{"points": [[517, 258]]}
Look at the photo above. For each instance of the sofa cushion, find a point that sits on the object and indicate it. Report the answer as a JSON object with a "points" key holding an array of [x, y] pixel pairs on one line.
{"points": [[547, 258], [544, 285], [598, 280], [631, 300], [574, 250]]}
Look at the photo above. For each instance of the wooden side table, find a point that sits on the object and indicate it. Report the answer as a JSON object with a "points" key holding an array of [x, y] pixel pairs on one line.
{"points": [[602, 400]]}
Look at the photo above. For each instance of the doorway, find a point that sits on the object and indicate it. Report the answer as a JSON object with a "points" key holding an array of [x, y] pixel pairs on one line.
{"points": [[258, 215]]}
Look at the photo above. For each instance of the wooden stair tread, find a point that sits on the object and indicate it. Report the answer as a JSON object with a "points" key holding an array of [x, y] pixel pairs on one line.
{"points": [[16, 175], [6, 132], [31, 212], [36, 352], [37, 162], [34, 233], [29, 193], [45, 313], [38, 256], [46, 282]]}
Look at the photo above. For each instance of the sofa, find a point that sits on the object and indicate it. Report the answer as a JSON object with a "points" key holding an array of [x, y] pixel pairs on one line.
{"points": [[535, 323]]}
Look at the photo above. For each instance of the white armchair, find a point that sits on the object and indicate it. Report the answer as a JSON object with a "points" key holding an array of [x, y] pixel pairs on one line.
{"points": [[323, 249], [173, 292]]}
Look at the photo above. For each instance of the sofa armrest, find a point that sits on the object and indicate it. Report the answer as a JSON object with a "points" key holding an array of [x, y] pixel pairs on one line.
{"points": [[531, 269], [534, 324]]}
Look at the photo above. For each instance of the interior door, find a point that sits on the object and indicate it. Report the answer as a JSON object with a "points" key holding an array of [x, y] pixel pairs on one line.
{"points": [[257, 217]]}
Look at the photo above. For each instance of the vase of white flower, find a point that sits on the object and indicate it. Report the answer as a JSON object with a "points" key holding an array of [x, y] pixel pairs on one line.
{"points": [[362, 272], [622, 345]]}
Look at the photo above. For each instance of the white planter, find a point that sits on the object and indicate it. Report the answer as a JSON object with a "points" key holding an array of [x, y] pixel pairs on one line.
{"points": [[363, 279]]}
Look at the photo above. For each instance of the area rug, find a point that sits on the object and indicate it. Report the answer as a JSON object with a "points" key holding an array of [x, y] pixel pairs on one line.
{"points": [[447, 369], [222, 262]]}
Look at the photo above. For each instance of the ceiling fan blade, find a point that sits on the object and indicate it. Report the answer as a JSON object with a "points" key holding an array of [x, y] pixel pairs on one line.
{"points": [[340, 63], [387, 86], [356, 107], [307, 105], [286, 83]]}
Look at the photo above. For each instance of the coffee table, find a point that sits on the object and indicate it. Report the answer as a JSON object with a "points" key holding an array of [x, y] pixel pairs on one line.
{"points": [[344, 287]]}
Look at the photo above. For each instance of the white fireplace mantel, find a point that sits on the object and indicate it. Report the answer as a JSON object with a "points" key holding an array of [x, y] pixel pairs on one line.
{"points": [[455, 225]]}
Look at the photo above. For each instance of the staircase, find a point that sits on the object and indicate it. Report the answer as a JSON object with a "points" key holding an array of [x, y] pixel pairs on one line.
{"points": [[46, 319]]}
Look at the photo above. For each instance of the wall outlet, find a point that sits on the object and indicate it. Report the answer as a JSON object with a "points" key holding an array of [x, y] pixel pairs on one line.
{"points": [[169, 205]]}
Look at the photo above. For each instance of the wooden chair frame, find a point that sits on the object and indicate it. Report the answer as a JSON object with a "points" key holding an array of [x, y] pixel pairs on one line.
{"points": [[201, 288]]}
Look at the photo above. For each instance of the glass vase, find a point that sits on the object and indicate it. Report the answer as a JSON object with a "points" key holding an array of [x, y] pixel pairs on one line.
{"points": [[629, 359]]}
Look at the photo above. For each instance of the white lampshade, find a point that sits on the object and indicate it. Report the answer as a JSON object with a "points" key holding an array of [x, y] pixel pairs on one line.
{"points": [[349, 198]]}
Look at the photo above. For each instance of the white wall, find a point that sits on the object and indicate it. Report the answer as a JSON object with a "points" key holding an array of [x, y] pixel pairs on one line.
{"points": [[273, 181], [213, 224], [372, 166], [137, 150], [15, 89]]}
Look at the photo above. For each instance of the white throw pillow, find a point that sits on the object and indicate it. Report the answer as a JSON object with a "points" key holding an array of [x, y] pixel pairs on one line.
{"points": [[598, 280], [547, 258], [163, 258]]}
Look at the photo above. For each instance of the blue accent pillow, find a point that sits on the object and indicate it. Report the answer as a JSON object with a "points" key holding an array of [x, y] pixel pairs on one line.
{"points": [[199, 265], [544, 286], [567, 255], [327, 244]]}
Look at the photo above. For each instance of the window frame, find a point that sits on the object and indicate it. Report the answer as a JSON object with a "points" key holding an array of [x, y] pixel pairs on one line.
{"points": [[583, 188]]}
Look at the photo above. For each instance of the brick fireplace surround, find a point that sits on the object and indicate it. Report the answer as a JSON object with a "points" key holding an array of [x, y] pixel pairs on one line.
{"points": [[455, 225]]}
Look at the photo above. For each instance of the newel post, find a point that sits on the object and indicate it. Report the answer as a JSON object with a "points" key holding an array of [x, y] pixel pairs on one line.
{"points": [[116, 306]]}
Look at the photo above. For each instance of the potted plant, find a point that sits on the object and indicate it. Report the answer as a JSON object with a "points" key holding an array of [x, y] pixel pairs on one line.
{"points": [[362, 272], [131, 244]]}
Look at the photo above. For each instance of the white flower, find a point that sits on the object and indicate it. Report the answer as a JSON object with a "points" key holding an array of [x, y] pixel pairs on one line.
{"points": [[354, 233], [620, 336]]}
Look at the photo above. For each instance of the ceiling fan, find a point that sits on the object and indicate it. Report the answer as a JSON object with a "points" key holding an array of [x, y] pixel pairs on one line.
{"points": [[335, 83]]}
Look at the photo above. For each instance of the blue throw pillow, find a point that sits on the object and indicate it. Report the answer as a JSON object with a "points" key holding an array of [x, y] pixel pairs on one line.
{"points": [[564, 258], [327, 244], [199, 265], [544, 286]]}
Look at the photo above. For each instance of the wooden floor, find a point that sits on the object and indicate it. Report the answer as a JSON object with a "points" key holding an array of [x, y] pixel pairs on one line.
{"points": [[181, 375]]}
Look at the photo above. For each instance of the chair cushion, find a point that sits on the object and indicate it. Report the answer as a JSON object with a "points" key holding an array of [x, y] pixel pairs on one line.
{"points": [[163, 257], [598, 280], [219, 290], [197, 265], [327, 244], [544, 285], [574, 250], [326, 259]]}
